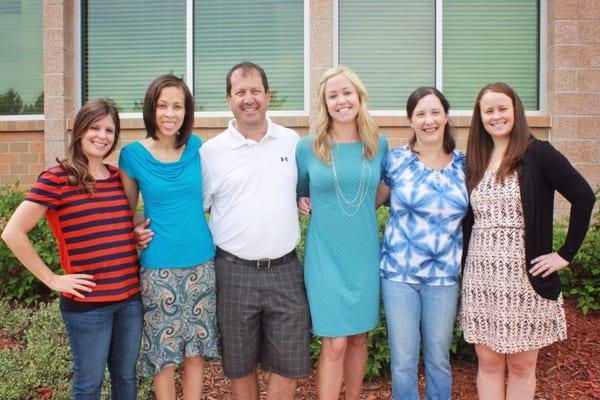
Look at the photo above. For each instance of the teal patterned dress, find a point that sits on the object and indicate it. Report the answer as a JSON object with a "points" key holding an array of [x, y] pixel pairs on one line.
{"points": [[341, 261]]}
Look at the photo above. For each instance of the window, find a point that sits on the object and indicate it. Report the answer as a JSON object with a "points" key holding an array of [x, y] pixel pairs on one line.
{"points": [[455, 45], [128, 44], [21, 63]]}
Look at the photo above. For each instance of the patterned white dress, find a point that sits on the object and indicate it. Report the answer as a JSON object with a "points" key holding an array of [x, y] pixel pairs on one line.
{"points": [[499, 307]]}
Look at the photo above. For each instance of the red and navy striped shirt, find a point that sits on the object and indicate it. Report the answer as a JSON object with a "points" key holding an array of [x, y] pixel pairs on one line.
{"points": [[94, 232]]}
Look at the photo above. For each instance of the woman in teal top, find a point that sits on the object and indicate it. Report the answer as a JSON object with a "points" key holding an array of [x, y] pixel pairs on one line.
{"points": [[177, 275], [339, 168]]}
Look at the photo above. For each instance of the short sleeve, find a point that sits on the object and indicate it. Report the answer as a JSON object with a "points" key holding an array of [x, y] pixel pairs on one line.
{"points": [[47, 191], [303, 149], [126, 161]]}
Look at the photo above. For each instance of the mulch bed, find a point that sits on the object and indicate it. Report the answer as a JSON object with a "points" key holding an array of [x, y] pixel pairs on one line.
{"points": [[566, 370]]}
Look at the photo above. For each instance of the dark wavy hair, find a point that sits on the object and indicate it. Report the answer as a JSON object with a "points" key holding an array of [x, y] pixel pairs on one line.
{"points": [[75, 161], [152, 95], [449, 143], [480, 144]]}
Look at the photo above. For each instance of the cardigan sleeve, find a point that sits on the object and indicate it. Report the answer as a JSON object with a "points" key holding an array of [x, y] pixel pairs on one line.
{"points": [[565, 179]]}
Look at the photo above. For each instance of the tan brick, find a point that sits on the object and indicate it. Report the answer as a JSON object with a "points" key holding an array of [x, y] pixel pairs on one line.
{"points": [[36, 147], [589, 31], [29, 158], [4, 169], [321, 9], [587, 9], [540, 133], [566, 31], [36, 168], [54, 84], [588, 127], [583, 151], [8, 158], [565, 80], [591, 172], [54, 39], [53, 149], [589, 79], [28, 179], [54, 61], [574, 103], [576, 56], [19, 147], [321, 55], [563, 127], [16, 169], [321, 32], [3, 148]]}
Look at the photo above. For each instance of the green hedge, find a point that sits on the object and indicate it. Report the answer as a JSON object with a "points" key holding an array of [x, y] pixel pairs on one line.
{"points": [[16, 282]]}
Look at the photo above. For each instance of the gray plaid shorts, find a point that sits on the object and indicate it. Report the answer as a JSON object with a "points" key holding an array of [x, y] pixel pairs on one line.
{"points": [[263, 318]]}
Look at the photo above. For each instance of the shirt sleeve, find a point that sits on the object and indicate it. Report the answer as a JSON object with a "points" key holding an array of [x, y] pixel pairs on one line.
{"points": [[302, 149], [46, 191], [126, 162], [207, 181], [565, 179]]}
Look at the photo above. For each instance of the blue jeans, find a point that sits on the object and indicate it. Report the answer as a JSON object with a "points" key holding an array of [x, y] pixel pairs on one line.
{"points": [[414, 312], [107, 335]]}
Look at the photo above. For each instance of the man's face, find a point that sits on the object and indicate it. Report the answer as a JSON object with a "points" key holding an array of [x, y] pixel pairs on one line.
{"points": [[248, 100]]}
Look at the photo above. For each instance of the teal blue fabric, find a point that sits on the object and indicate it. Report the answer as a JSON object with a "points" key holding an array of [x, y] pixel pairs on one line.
{"points": [[341, 261], [172, 193]]}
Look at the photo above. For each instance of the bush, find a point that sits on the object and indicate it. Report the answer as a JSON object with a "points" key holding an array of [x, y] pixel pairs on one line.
{"points": [[582, 279], [41, 360], [16, 282]]}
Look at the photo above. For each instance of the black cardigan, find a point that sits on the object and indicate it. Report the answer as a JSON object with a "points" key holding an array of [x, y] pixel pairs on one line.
{"points": [[542, 171]]}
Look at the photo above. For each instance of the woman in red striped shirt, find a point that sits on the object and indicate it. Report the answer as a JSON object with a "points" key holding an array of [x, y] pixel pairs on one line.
{"points": [[88, 212]]}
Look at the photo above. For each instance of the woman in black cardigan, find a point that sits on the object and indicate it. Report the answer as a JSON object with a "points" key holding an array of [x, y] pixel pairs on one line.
{"points": [[511, 303]]}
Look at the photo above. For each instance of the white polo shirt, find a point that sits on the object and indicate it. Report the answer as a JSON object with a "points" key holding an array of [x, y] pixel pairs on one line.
{"points": [[250, 189]]}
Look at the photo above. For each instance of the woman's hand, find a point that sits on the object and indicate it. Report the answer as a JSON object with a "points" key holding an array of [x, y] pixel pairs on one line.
{"points": [[142, 234], [304, 205], [547, 264], [72, 283]]}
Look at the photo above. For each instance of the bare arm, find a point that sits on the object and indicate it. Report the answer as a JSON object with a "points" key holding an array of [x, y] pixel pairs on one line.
{"points": [[382, 195], [15, 235], [141, 233]]}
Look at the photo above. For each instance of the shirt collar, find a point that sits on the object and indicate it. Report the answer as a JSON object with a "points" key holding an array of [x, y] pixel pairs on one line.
{"points": [[238, 140]]}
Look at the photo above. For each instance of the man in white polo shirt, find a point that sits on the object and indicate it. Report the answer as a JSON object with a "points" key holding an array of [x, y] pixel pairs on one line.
{"points": [[249, 185]]}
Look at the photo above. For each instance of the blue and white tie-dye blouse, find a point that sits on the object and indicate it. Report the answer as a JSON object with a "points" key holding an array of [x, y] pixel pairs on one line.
{"points": [[423, 241]]}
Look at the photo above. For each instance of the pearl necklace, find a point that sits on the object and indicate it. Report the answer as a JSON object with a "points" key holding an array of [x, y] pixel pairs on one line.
{"points": [[363, 187]]}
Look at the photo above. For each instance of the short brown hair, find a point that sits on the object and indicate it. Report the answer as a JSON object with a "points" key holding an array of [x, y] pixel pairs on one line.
{"points": [[247, 67]]}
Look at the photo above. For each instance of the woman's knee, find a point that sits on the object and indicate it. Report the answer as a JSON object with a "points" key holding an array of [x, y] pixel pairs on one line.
{"points": [[357, 341], [522, 365], [334, 348], [489, 361]]}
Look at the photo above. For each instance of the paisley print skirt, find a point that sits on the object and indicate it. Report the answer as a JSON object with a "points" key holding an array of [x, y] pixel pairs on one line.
{"points": [[179, 315]]}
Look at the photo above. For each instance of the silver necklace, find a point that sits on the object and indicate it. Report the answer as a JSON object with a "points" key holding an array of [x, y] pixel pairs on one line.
{"points": [[350, 207]]}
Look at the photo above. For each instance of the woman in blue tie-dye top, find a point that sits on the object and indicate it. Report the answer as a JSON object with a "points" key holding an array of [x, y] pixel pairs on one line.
{"points": [[422, 246]]}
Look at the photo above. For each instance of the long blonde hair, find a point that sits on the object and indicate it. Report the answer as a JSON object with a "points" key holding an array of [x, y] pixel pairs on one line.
{"points": [[367, 127]]}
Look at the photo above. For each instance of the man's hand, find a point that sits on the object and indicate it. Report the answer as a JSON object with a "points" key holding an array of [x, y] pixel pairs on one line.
{"points": [[142, 234]]}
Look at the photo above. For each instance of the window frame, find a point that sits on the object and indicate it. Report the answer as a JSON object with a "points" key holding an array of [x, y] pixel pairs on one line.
{"points": [[305, 112], [30, 117], [439, 7]]}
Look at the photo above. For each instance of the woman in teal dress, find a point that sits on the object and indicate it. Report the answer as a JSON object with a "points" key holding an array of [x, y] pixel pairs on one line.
{"points": [[339, 168]]}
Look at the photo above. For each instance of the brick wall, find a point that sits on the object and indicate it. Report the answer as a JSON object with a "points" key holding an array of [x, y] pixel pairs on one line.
{"points": [[21, 151], [574, 84]]}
